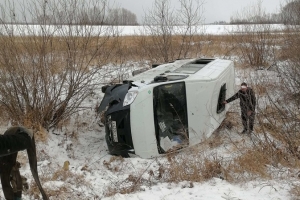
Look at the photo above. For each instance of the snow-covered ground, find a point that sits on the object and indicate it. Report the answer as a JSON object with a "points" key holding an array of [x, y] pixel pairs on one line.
{"points": [[92, 173], [62, 30], [215, 189]]}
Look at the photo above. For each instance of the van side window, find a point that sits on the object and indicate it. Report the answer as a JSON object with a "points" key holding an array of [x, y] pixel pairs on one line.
{"points": [[222, 97]]}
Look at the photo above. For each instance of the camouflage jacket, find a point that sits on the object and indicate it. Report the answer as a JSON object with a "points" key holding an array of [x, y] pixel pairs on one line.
{"points": [[247, 99]]}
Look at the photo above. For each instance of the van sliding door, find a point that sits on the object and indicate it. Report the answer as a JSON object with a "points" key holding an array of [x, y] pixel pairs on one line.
{"points": [[170, 116]]}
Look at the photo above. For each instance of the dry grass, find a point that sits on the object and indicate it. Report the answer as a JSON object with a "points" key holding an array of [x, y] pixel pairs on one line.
{"points": [[295, 191], [130, 47], [194, 168], [114, 164], [253, 163], [67, 178]]}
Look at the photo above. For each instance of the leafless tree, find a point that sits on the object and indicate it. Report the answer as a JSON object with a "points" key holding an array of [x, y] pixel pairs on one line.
{"points": [[290, 53], [256, 42], [191, 17], [160, 23], [171, 32], [277, 87]]}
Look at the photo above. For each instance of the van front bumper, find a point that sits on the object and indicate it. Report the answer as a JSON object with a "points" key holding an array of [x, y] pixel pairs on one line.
{"points": [[118, 133]]}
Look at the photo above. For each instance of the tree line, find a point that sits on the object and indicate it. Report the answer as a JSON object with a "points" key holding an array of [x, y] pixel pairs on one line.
{"points": [[93, 16], [59, 13], [289, 14]]}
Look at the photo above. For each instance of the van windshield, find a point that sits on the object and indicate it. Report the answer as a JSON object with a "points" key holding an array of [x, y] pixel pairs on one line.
{"points": [[170, 116]]}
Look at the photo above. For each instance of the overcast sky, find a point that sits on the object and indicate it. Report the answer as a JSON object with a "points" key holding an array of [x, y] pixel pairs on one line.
{"points": [[214, 10]]}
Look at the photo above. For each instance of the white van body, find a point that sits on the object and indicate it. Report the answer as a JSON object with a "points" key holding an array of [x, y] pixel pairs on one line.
{"points": [[201, 84]]}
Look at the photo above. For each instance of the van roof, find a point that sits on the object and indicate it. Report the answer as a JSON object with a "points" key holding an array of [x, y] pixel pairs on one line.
{"points": [[192, 69]]}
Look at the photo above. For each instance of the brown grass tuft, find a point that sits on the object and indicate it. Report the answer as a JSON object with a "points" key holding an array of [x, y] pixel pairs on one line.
{"points": [[114, 163], [193, 168], [211, 169], [253, 162]]}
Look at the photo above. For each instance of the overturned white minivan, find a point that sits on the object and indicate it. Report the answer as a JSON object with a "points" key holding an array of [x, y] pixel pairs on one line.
{"points": [[168, 107]]}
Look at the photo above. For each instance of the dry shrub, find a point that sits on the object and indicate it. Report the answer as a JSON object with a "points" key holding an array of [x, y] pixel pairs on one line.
{"points": [[279, 127], [255, 47], [253, 162]]}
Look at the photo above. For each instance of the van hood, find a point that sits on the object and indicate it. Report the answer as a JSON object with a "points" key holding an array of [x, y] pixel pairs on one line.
{"points": [[114, 98]]}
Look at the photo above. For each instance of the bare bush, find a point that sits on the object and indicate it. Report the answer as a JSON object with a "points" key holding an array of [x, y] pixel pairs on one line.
{"points": [[278, 118], [163, 22], [47, 71], [255, 42]]}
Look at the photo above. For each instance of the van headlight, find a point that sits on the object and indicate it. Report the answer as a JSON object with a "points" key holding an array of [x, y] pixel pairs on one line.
{"points": [[129, 98]]}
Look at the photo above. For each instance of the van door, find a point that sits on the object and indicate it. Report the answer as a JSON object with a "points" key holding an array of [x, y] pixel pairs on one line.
{"points": [[170, 116]]}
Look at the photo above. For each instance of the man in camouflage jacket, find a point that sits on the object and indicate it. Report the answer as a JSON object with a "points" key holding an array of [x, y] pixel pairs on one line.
{"points": [[247, 103]]}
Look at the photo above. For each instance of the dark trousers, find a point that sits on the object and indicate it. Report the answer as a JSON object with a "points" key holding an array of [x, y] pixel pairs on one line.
{"points": [[248, 121]]}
